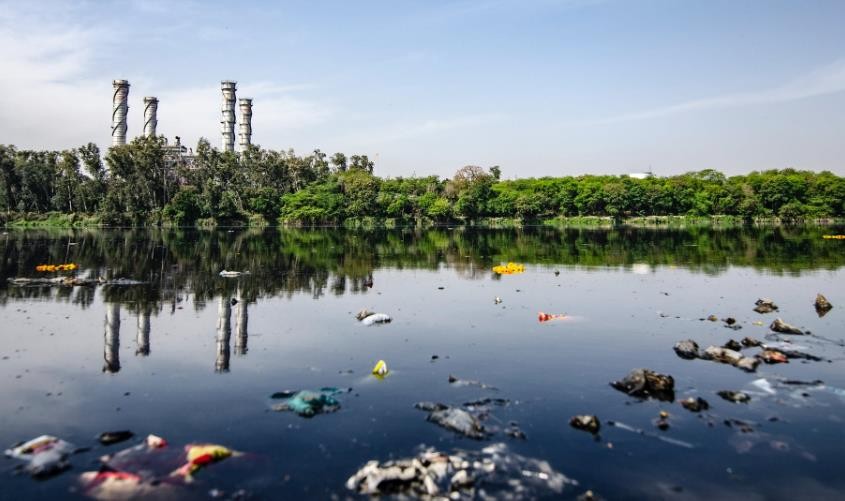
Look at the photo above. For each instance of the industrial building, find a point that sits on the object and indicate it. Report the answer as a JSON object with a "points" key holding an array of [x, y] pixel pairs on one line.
{"points": [[176, 152]]}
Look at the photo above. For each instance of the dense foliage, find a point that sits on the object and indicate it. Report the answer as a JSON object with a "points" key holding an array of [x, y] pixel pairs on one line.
{"points": [[142, 184]]}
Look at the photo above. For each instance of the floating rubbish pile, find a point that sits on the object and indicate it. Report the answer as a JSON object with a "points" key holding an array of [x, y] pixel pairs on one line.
{"points": [[509, 269], [308, 403], [493, 472]]}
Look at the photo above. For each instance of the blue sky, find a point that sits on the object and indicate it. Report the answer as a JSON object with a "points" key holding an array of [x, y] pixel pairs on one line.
{"points": [[540, 87]]}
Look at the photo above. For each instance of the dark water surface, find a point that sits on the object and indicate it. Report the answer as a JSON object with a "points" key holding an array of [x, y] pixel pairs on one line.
{"points": [[204, 370]]}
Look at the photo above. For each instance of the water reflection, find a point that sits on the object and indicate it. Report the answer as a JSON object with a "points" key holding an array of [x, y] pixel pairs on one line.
{"points": [[142, 339], [224, 334], [241, 318], [175, 263], [111, 347]]}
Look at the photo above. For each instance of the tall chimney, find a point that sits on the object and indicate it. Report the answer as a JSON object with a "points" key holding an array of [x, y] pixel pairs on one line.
{"points": [[228, 122], [245, 126], [120, 107], [150, 116]]}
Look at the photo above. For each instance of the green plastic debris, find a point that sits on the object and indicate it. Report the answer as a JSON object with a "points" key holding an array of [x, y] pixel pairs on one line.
{"points": [[308, 403]]}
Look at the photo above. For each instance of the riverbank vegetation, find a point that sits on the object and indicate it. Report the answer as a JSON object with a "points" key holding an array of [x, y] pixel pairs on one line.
{"points": [[142, 184]]}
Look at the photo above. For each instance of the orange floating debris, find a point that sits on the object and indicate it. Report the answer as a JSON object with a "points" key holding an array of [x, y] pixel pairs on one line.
{"points": [[56, 267], [545, 317]]}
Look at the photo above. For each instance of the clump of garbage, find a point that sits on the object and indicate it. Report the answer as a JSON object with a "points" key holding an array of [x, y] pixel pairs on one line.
{"points": [[765, 305], [822, 305], [586, 423], [784, 328], [455, 419], [645, 383], [233, 274], [380, 369], [509, 269], [56, 267], [457, 382], [367, 317], [43, 456], [545, 317], [491, 473], [308, 403], [151, 470]]}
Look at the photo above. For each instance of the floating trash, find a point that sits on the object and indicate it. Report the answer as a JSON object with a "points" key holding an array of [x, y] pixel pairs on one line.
{"points": [[509, 269], [114, 437], [151, 470], [784, 328], [454, 419], [586, 423], [368, 317], [491, 473], [56, 267], [380, 369], [644, 383], [695, 404], [736, 397], [233, 274], [307, 403], [454, 381], [199, 456], [44, 456], [822, 305], [545, 317], [765, 305]]}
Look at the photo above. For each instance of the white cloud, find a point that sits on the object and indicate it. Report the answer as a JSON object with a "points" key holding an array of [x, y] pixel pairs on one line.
{"points": [[411, 130], [829, 79], [54, 95]]}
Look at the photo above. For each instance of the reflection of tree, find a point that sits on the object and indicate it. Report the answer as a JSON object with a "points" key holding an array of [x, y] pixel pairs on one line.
{"points": [[175, 262], [111, 348]]}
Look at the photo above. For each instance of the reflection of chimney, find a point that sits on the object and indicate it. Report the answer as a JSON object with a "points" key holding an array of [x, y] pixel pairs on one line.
{"points": [[150, 116], [241, 317], [143, 337], [224, 334], [120, 108], [228, 120], [111, 349], [245, 127]]}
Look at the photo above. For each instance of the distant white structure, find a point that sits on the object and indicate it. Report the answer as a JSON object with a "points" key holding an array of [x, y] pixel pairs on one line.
{"points": [[120, 108], [245, 127], [150, 116], [641, 175], [229, 88]]}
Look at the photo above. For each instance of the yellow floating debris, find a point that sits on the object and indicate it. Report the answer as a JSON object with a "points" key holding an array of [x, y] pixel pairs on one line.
{"points": [[509, 269], [56, 267], [380, 369]]}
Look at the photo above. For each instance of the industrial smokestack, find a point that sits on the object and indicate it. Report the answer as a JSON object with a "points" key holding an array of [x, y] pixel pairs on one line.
{"points": [[150, 116], [228, 122], [120, 108], [245, 127]]}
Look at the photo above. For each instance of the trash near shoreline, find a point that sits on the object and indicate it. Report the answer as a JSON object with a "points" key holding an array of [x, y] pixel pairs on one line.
{"points": [[43, 456], [493, 472]]}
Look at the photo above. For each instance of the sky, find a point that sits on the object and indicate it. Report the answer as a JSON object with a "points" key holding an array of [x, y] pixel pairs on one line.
{"points": [[538, 87]]}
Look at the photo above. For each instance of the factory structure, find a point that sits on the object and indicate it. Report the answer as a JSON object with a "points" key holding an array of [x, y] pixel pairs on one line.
{"points": [[177, 152]]}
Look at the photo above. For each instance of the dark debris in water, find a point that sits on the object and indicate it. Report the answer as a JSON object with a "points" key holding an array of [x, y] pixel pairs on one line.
{"points": [[644, 383]]}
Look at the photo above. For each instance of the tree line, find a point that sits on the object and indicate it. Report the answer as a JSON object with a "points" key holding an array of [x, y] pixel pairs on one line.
{"points": [[141, 183]]}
